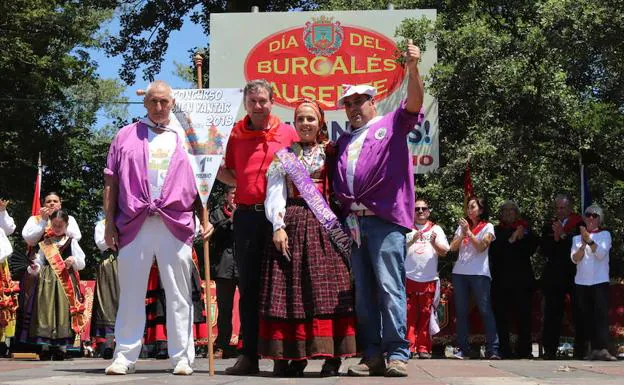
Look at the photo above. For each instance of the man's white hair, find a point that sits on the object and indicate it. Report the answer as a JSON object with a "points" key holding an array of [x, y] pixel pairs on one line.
{"points": [[157, 84]]}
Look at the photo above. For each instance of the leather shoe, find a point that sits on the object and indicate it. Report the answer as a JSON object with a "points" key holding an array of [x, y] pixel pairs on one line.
{"points": [[331, 367], [244, 366]]}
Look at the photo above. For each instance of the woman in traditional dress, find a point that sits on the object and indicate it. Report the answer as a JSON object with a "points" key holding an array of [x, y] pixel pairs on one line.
{"points": [[106, 296], [8, 288], [33, 233], [57, 315], [306, 298], [471, 273]]}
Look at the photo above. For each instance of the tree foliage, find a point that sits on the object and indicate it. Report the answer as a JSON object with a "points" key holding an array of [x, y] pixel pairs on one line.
{"points": [[49, 97], [146, 25], [525, 88]]}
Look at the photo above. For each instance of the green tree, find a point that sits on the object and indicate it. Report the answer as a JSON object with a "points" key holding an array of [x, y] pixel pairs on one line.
{"points": [[524, 88], [50, 96], [146, 25]]}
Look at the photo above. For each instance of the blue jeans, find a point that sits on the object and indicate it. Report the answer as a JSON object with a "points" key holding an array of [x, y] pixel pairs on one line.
{"points": [[479, 285], [380, 298]]}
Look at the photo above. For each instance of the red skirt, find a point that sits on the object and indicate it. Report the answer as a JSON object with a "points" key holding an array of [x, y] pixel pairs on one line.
{"points": [[306, 304], [299, 339]]}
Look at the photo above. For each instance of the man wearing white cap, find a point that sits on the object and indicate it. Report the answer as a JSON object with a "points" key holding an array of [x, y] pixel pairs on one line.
{"points": [[375, 184]]}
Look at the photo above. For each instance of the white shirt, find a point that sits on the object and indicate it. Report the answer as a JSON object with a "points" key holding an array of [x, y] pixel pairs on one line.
{"points": [[5, 246], [276, 195], [98, 235], [594, 267], [35, 227], [76, 252], [471, 261], [421, 262], [6, 223], [160, 148], [353, 154]]}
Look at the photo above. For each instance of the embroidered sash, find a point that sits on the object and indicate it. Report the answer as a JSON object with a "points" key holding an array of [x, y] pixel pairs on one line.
{"points": [[76, 306], [8, 298], [315, 200]]}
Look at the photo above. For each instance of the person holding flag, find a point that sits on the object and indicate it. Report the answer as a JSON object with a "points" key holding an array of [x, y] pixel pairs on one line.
{"points": [[425, 243], [471, 274], [149, 196]]}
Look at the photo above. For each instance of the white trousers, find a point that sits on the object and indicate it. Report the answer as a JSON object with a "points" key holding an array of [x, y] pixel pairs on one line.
{"points": [[174, 264]]}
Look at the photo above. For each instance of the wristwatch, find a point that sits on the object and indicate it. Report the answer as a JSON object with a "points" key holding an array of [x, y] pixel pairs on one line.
{"points": [[563, 235]]}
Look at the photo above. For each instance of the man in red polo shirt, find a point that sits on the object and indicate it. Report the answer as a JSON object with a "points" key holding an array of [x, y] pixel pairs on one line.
{"points": [[250, 150]]}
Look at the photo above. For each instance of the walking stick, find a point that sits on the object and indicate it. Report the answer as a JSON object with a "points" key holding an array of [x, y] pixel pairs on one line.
{"points": [[199, 59]]}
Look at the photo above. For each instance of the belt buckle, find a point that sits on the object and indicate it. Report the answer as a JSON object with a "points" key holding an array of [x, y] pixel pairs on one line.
{"points": [[258, 207]]}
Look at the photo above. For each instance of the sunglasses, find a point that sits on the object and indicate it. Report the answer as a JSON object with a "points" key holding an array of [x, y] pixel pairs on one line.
{"points": [[591, 215], [423, 209]]}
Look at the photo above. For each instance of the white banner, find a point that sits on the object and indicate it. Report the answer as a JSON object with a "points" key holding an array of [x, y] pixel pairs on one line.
{"points": [[311, 54], [204, 118]]}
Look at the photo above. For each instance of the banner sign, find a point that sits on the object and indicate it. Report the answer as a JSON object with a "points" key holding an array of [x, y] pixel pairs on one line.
{"points": [[312, 54], [204, 119]]}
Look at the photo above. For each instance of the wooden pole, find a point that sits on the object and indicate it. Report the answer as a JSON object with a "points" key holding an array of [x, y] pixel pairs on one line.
{"points": [[199, 59]]}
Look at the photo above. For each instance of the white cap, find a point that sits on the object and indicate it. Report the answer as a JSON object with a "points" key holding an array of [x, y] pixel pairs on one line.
{"points": [[363, 89]]}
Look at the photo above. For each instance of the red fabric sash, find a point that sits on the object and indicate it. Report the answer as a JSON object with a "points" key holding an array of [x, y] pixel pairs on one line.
{"points": [[419, 233], [76, 306], [475, 230], [573, 221], [227, 211], [241, 129]]}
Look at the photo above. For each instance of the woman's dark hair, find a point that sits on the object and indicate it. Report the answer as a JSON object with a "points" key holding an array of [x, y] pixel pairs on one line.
{"points": [[50, 193], [60, 214], [482, 203]]}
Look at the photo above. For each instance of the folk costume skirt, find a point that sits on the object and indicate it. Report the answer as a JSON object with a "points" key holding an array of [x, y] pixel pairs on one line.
{"points": [[51, 320], [106, 298], [306, 304]]}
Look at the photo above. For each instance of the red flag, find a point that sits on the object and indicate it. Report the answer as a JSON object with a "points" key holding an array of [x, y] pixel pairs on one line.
{"points": [[468, 189], [36, 203]]}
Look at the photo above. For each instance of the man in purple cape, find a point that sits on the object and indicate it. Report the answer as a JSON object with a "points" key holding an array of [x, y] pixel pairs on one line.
{"points": [[374, 183], [149, 196]]}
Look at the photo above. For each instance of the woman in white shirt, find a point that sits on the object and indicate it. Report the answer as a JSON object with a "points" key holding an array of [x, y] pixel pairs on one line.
{"points": [[590, 253], [471, 273]]}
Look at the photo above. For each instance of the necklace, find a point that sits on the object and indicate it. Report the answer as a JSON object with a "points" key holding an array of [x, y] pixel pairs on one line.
{"points": [[309, 155]]}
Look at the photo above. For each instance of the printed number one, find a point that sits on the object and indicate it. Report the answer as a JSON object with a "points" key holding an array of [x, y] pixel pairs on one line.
{"points": [[203, 164]]}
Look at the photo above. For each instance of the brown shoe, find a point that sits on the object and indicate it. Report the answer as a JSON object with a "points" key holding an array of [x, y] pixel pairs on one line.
{"points": [[368, 367], [396, 368], [244, 366]]}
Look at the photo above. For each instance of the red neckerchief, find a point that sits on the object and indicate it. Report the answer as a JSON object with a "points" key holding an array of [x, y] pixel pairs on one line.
{"points": [[598, 230], [227, 211], [515, 225], [419, 233], [241, 129], [573, 221], [475, 230]]}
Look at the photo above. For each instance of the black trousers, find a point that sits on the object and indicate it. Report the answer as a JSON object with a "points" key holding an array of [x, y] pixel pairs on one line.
{"points": [[226, 288], [554, 297], [594, 305], [512, 306], [251, 233]]}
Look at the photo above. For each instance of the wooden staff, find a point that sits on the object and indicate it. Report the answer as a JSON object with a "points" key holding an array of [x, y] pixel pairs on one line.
{"points": [[199, 59]]}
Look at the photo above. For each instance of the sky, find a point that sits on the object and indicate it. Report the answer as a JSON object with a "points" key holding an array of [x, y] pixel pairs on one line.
{"points": [[189, 36]]}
